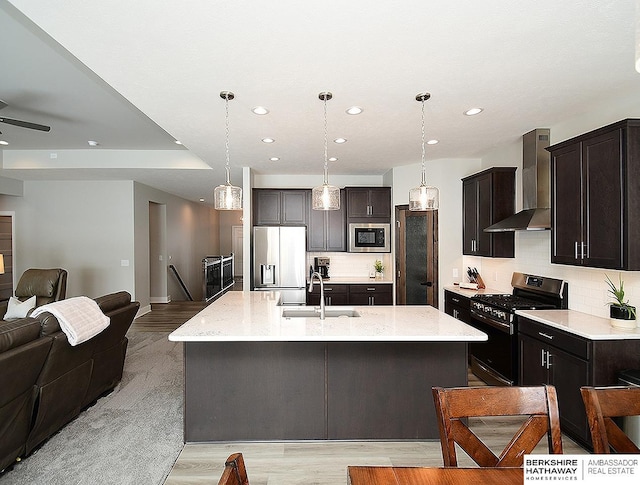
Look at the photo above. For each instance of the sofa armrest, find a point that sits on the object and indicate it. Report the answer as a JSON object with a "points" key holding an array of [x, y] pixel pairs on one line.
{"points": [[14, 333]]}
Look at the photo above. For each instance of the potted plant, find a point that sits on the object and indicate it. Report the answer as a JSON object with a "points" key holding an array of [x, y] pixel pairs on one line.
{"points": [[621, 313], [379, 267]]}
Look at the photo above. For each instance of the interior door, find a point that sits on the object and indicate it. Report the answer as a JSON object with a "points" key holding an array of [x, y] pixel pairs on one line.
{"points": [[416, 257]]}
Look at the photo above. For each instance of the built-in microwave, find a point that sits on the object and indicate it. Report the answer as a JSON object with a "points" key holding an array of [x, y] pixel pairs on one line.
{"points": [[369, 238]]}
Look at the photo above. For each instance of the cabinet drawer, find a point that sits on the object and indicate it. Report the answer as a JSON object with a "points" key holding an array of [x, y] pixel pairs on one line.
{"points": [[573, 344], [370, 289], [330, 289]]}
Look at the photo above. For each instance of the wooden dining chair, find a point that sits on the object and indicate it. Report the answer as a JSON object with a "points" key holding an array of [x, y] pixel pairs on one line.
{"points": [[455, 405], [234, 472], [604, 403]]}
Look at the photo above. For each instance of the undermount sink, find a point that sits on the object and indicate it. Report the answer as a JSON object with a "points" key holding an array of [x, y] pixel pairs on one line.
{"points": [[313, 312]]}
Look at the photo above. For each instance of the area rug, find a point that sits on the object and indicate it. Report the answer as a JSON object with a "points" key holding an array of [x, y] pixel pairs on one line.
{"points": [[131, 436]]}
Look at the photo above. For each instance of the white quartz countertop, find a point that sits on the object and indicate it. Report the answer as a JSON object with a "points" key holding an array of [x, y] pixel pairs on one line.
{"points": [[353, 280], [582, 324], [240, 316], [471, 293]]}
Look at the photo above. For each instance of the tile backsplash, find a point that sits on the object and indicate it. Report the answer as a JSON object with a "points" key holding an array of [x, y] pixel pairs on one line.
{"points": [[587, 286], [353, 264]]}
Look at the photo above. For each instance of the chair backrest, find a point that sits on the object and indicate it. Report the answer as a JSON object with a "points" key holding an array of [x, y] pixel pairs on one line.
{"points": [[604, 403], [455, 405], [48, 285], [234, 472]]}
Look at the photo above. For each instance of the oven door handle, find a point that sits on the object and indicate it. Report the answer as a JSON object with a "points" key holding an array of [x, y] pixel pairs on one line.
{"points": [[504, 327]]}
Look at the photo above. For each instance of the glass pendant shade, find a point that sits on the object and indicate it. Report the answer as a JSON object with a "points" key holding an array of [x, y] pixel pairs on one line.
{"points": [[227, 197], [424, 198], [326, 198]]}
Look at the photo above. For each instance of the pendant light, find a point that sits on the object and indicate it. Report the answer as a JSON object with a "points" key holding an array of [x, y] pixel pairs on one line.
{"points": [[423, 197], [325, 197], [227, 196]]}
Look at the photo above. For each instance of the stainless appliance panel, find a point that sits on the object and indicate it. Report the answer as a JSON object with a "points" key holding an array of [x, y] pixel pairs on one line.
{"points": [[383, 247], [266, 257], [279, 262]]}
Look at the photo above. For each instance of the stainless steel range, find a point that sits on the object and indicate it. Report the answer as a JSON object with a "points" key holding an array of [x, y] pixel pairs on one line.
{"points": [[496, 360]]}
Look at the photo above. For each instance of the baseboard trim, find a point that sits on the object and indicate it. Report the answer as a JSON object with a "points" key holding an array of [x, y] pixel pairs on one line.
{"points": [[143, 310]]}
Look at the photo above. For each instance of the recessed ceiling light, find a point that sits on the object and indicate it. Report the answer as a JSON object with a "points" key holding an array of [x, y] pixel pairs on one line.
{"points": [[354, 110], [274, 159], [2, 142], [260, 110], [268, 140], [178, 142], [473, 111], [333, 159], [201, 199], [93, 143], [432, 142], [340, 140]]}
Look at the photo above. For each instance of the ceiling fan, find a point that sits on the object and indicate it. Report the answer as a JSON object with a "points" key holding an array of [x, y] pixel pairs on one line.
{"points": [[20, 123]]}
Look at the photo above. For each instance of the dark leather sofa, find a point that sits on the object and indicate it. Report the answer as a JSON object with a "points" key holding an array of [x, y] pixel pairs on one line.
{"points": [[45, 382]]}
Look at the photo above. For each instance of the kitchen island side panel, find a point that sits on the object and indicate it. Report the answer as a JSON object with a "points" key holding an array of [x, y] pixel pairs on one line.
{"points": [[254, 391], [262, 391], [382, 390]]}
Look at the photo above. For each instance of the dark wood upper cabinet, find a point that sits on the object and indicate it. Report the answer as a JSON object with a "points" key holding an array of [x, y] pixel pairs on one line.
{"points": [[327, 230], [595, 198], [488, 197], [368, 204], [280, 207]]}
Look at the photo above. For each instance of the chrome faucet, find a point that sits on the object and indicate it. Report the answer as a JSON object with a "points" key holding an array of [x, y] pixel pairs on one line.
{"points": [[315, 274]]}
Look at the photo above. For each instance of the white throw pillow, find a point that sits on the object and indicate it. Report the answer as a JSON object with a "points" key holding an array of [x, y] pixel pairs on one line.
{"points": [[19, 309]]}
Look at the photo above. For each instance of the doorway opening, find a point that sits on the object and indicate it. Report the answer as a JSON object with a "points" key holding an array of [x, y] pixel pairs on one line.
{"points": [[416, 257]]}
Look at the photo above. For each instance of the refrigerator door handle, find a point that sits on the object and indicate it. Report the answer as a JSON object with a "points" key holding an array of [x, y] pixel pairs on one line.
{"points": [[268, 274]]}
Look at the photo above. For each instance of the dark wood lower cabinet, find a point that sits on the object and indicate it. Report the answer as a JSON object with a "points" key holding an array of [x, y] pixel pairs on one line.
{"points": [[236, 391], [357, 295], [568, 361]]}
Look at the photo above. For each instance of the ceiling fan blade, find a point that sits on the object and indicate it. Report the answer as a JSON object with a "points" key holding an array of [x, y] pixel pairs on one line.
{"points": [[24, 124]]}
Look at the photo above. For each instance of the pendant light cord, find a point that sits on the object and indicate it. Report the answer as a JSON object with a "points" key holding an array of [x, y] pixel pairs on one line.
{"points": [[424, 176], [326, 165], [226, 135]]}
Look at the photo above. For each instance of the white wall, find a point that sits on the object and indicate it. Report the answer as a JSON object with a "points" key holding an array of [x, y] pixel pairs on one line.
{"points": [[84, 227], [192, 234]]}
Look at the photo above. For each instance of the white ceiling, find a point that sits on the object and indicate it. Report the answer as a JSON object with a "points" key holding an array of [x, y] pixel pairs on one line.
{"points": [[138, 75]]}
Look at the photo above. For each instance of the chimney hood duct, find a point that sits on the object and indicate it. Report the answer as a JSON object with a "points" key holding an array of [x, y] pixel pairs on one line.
{"points": [[536, 187]]}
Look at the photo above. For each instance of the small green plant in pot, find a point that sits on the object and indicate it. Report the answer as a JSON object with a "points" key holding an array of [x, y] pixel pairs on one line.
{"points": [[622, 314], [379, 267]]}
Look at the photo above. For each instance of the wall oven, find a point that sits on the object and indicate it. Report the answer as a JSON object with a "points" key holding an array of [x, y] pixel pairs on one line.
{"points": [[369, 238]]}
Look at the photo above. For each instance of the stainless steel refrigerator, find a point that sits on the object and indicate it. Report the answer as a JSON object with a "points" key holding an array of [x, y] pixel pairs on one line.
{"points": [[279, 262]]}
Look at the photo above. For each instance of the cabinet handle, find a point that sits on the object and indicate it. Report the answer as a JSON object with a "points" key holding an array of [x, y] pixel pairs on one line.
{"points": [[550, 337], [543, 358], [371, 289], [582, 249], [455, 313], [576, 250], [328, 289], [549, 360], [455, 300]]}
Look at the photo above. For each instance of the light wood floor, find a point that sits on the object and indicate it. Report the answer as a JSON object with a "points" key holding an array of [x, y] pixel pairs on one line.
{"points": [[311, 462]]}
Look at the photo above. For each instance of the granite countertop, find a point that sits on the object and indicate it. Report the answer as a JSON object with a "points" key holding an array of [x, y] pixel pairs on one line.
{"points": [[240, 316], [582, 324]]}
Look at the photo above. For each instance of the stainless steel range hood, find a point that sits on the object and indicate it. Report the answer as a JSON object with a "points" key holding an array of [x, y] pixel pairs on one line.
{"points": [[536, 187]]}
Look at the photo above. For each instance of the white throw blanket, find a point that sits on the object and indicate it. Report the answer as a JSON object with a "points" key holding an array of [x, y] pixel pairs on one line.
{"points": [[80, 318]]}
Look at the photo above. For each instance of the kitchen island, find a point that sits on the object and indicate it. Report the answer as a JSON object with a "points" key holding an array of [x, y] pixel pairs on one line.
{"points": [[252, 374]]}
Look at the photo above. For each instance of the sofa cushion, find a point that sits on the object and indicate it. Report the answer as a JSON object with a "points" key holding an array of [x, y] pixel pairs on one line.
{"points": [[113, 301], [18, 332], [40, 282], [19, 309]]}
